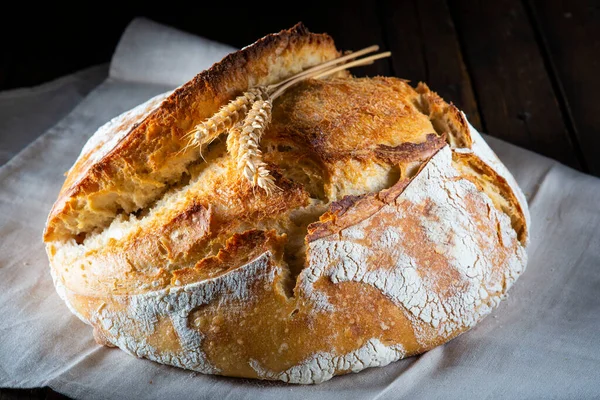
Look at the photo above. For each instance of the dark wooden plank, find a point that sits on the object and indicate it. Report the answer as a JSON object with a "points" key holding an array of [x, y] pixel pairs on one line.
{"points": [[425, 48], [353, 24], [515, 95], [570, 32], [53, 44]]}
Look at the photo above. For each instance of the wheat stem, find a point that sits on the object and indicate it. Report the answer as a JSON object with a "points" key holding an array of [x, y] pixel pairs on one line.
{"points": [[356, 63], [325, 65], [232, 112], [329, 71]]}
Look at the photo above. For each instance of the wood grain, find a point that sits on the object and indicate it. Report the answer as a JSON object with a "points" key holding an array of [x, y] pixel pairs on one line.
{"points": [[570, 34], [353, 24], [425, 47], [517, 101]]}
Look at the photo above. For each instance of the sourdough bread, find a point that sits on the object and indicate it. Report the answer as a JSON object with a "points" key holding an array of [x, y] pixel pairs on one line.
{"points": [[395, 230]]}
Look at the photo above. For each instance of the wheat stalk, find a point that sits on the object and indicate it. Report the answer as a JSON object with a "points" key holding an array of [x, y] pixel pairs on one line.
{"points": [[320, 73], [255, 105]]}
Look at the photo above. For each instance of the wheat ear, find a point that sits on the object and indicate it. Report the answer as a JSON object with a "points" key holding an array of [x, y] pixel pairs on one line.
{"points": [[225, 118], [255, 105], [244, 141]]}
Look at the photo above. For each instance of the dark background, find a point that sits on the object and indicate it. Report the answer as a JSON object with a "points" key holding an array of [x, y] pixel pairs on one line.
{"points": [[526, 71], [523, 70]]}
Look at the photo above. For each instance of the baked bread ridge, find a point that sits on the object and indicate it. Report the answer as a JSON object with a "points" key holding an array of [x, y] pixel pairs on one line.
{"points": [[145, 151], [390, 271]]}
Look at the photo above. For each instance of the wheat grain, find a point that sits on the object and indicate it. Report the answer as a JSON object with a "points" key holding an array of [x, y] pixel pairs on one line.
{"points": [[206, 131], [243, 144], [233, 141]]}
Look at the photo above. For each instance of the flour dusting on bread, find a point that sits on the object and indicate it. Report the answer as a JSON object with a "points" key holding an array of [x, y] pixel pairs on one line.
{"points": [[321, 367]]}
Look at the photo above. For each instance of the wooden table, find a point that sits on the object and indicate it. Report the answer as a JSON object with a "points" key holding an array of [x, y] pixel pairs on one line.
{"points": [[524, 71]]}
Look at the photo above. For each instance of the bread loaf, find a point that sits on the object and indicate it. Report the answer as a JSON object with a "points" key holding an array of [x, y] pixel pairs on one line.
{"points": [[393, 230]]}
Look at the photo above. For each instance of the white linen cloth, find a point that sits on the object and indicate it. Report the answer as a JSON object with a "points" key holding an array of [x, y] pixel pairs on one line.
{"points": [[28, 112], [542, 342]]}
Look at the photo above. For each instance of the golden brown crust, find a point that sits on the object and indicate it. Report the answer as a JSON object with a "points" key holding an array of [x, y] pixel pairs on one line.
{"points": [[389, 235], [342, 118], [239, 249], [445, 117], [149, 156], [496, 186]]}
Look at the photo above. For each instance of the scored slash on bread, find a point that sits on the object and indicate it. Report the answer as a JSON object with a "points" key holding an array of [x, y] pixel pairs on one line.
{"points": [[394, 228]]}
